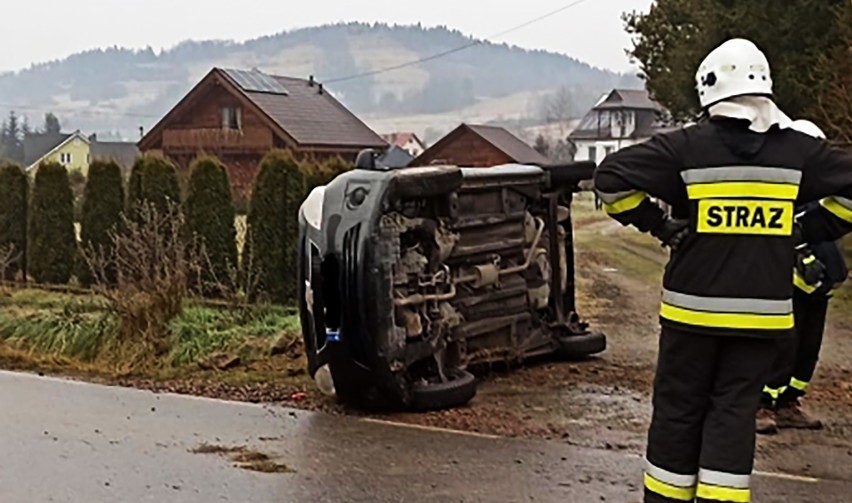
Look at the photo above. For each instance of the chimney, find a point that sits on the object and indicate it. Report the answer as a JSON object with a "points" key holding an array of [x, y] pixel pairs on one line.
{"points": [[93, 137], [320, 88], [141, 132], [311, 81]]}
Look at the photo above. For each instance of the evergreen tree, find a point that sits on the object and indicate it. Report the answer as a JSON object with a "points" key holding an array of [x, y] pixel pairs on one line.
{"points": [[674, 36], [103, 205], [273, 228], [14, 188], [51, 124], [210, 214], [51, 238]]}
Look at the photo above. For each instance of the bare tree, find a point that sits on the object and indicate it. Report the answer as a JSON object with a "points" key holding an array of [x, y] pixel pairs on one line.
{"points": [[154, 266], [9, 258]]}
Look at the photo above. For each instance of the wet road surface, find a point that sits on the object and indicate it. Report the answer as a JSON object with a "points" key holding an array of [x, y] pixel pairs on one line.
{"points": [[72, 442]]}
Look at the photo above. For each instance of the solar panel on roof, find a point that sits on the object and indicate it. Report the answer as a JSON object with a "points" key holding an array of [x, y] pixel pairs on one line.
{"points": [[256, 82]]}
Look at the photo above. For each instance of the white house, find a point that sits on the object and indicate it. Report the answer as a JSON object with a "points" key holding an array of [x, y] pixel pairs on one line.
{"points": [[619, 119]]}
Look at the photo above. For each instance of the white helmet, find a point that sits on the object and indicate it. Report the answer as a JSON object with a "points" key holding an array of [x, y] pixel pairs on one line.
{"points": [[808, 128], [735, 68]]}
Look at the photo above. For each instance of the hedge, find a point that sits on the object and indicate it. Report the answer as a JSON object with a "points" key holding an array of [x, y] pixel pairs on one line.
{"points": [[52, 242], [14, 187], [103, 205], [269, 255], [209, 216]]}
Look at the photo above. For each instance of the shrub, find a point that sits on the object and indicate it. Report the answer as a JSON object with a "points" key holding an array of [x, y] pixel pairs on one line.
{"points": [[269, 254], [14, 187], [209, 213], [103, 204], [154, 267], [52, 240], [321, 173]]}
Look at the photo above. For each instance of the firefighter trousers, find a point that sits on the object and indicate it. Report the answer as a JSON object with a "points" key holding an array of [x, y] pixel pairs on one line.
{"points": [[702, 439], [798, 356]]}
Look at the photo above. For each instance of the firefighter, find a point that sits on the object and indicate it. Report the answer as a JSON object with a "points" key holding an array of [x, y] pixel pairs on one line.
{"points": [[820, 269], [733, 182]]}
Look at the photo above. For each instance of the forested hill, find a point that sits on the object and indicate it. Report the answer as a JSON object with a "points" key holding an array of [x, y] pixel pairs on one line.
{"points": [[120, 89]]}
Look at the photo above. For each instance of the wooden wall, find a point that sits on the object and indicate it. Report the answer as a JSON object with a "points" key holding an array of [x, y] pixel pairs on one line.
{"points": [[200, 127], [465, 149]]}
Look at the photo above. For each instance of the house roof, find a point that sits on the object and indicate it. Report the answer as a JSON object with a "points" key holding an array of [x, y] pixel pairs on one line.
{"points": [[314, 117], [61, 144], [509, 144], [299, 110], [124, 153], [401, 139], [597, 124], [396, 157], [628, 98], [38, 145]]}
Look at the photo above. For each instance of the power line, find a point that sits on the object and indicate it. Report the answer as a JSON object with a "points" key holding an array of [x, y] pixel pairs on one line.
{"points": [[454, 50]]}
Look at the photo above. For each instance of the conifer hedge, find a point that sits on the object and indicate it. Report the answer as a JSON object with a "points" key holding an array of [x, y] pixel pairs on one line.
{"points": [[14, 188], [209, 213], [52, 243], [103, 205], [272, 237]]}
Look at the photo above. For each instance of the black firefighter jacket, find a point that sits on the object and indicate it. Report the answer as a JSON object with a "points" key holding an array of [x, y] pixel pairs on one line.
{"points": [[739, 191]]}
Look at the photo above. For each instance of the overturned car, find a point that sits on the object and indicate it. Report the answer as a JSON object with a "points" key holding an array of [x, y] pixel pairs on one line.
{"points": [[410, 277]]}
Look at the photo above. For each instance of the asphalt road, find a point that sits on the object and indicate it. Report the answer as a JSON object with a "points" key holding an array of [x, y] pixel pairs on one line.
{"points": [[71, 442]]}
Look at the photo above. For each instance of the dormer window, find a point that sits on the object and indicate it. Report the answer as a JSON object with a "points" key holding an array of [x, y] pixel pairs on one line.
{"points": [[232, 118]]}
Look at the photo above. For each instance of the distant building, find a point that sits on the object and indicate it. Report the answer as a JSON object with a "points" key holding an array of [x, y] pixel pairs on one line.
{"points": [[75, 151], [240, 116], [406, 141], [620, 119], [480, 146]]}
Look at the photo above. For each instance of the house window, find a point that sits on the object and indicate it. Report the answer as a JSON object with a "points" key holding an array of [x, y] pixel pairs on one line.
{"points": [[232, 118], [593, 154], [65, 157], [607, 151]]}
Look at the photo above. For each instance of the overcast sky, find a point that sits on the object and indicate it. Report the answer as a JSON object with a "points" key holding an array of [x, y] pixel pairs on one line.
{"points": [[45, 30]]}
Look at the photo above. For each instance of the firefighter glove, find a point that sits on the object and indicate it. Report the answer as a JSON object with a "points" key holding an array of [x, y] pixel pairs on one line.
{"points": [[809, 267], [671, 232]]}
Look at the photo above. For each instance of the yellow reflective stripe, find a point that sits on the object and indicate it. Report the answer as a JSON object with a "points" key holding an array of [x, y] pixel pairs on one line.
{"points": [[743, 189], [809, 260], [774, 393], [801, 284], [798, 385], [626, 204], [728, 320], [727, 494], [835, 207], [668, 490]]}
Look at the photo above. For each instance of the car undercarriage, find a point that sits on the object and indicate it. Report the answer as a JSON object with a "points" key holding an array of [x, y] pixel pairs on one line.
{"points": [[412, 277]]}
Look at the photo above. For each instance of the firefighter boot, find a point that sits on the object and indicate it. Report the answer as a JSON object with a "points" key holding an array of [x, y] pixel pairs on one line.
{"points": [[791, 415], [765, 422]]}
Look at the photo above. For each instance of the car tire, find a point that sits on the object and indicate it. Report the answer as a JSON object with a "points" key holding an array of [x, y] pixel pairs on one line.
{"points": [[455, 393], [570, 175], [414, 183], [578, 347]]}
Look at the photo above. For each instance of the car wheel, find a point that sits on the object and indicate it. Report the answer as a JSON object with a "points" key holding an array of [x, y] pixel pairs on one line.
{"points": [[413, 183], [456, 392], [577, 347]]}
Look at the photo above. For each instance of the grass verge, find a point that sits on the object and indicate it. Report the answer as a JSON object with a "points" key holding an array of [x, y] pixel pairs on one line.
{"points": [[72, 334]]}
